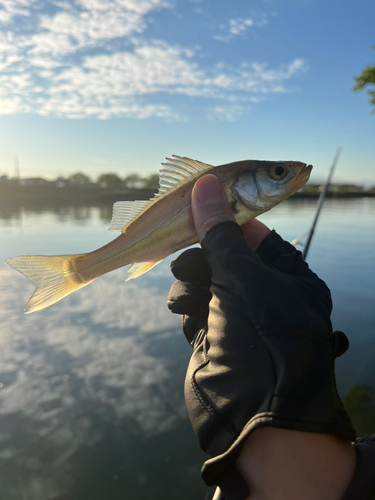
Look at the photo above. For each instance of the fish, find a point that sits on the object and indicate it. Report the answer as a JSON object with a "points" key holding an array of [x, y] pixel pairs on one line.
{"points": [[151, 230]]}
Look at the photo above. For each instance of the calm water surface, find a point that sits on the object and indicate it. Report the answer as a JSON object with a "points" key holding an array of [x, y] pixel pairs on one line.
{"points": [[91, 389]]}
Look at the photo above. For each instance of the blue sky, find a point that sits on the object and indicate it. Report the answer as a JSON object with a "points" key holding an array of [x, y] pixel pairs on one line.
{"points": [[117, 85]]}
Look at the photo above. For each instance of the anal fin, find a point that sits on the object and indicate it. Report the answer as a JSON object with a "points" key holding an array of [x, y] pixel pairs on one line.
{"points": [[140, 268]]}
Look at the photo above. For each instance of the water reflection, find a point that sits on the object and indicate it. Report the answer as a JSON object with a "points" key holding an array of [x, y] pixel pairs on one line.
{"points": [[91, 389], [62, 213], [94, 390]]}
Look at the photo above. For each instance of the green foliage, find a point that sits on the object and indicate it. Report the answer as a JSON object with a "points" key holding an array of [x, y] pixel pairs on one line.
{"points": [[151, 182], [110, 181], [367, 77], [133, 181], [113, 181], [80, 178], [360, 405]]}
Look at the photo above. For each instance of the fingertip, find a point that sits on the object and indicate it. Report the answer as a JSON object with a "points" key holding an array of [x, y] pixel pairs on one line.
{"points": [[207, 191], [254, 233]]}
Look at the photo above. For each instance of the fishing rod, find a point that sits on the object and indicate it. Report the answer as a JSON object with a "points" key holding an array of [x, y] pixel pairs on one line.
{"points": [[322, 197]]}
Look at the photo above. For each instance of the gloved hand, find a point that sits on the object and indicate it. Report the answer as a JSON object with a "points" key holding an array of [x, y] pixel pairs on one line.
{"points": [[259, 324]]}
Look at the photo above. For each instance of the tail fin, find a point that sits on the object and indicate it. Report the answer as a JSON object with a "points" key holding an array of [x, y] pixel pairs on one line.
{"points": [[53, 278]]}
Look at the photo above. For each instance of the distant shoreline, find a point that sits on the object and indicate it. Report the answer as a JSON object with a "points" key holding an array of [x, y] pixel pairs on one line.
{"points": [[12, 196]]}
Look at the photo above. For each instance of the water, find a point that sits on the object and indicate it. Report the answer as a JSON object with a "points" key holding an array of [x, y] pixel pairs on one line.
{"points": [[91, 397]]}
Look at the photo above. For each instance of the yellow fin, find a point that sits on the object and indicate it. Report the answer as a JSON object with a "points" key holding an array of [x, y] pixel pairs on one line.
{"points": [[53, 277], [124, 212], [140, 268]]}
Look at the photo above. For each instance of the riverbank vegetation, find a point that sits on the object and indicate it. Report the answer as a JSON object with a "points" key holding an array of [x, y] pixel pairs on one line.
{"points": [[80, 189]]}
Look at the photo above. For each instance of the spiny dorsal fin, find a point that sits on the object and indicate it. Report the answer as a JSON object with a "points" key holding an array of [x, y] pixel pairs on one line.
{"points": [[176, 171]]}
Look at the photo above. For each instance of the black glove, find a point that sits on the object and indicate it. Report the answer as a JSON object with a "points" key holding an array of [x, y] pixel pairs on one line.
{"points": [[362, 485], [263, 345]]}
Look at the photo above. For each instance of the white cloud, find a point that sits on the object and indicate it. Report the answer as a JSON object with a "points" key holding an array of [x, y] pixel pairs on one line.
{"points": [[112, 85], [86, 61], [229, 113], [9, 52], [239, 25], [147, 70], [12, 105], [100, 20], [141, 7], [86, 28], [11, 8]]}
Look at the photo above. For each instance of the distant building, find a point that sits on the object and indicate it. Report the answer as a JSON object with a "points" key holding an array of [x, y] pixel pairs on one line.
{"points": [[4, 178], [62, 182]]}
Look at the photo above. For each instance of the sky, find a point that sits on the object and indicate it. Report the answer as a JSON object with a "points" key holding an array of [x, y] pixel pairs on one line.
{"points": [[102, 86]]}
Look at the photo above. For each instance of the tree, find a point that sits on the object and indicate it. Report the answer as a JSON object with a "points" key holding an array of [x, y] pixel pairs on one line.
{"points": [[80, 178], [151, 182], [109, 181], [367, 77], [133, 181]]}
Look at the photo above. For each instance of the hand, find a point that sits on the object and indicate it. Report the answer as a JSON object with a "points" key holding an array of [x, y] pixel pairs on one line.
{"points": [[210, 207], [190, 295], [259, 324]]}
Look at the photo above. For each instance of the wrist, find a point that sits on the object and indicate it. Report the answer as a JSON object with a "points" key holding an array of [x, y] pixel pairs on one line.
{"points": [[278, 463]]}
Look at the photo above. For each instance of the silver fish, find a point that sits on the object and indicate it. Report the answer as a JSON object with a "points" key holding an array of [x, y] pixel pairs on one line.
{"points": [[151, 230]]}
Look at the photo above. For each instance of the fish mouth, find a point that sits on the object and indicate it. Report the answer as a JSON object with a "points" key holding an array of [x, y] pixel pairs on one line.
{"points": [[306, 171], [299, 179], [303, 175], [307, 168]]}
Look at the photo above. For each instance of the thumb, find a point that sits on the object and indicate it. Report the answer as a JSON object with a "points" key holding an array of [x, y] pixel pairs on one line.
{"points": [[209, 205]]}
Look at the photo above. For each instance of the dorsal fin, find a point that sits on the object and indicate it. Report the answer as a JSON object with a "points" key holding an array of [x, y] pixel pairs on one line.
{"points": [[176, 171], [124, 212]]}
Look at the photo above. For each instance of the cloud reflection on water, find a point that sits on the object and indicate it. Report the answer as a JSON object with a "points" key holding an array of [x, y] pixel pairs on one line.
{"points": [[109, 357], [91, 404]]}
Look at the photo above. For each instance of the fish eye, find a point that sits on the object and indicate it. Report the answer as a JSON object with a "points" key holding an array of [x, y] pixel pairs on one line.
{"points": [[278, 172]]}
